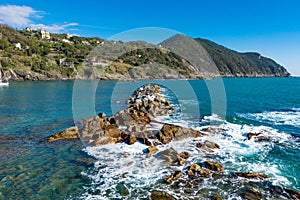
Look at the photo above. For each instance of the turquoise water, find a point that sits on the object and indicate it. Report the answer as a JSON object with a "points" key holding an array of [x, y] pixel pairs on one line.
{"points": [[31, 111]]}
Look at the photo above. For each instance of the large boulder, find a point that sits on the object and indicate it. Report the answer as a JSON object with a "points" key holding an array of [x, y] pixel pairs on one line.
{"points": [[171, 132]]}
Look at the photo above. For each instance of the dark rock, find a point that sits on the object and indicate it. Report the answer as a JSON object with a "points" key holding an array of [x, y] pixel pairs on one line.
{"points": [[169, 156], [213, 130], [208, 144], [69, 133], [258, 137], [191, 174], [204, 172], [194, 167], [295, 195], [101, 115], [174, 132], [132, 139], [216, 197], [160, 196], [249, 193], [184, 155], [251, 175], [213, 166], [180, 160], [173, 177]]}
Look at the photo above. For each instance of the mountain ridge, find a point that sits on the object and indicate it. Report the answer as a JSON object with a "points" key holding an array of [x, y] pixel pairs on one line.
{"points": [[31, 55]]}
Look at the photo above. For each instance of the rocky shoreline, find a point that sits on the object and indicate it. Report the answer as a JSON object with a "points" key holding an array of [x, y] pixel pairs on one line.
{"points": [[29, 75], [136, 124]]}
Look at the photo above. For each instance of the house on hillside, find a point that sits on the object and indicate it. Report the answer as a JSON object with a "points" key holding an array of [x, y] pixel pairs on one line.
{"points": [[68, 36], [18, 45], [28, 29], [45, 34]]}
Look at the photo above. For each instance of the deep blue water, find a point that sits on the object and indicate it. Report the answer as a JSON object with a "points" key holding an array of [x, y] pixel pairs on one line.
{"points": [[31, 111]]}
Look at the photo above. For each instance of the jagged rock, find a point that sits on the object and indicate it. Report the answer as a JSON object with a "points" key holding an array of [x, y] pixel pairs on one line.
{"points": [[69, 133], [161, 196], [216, 197], [180, 160], [249, 193], [184, 155], [173, 177], [194, 167], [293, 194], [151, 150], [213, 130], [132, 139], [258, 137], [191, 174], [208, 144], [174, 132], [251, 175], [204, 172], [213, 166], [169, 156]]}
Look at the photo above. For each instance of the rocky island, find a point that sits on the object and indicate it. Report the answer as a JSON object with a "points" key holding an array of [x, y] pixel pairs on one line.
{"points": [[185, 179]]}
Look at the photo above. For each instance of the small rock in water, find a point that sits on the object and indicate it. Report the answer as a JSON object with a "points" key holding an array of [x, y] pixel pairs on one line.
{"points": [[151, 150], [208, 144], [173, 177], [184, 155], [251, 175], [69, 133], [213, 166], [249, 194], [160, 196], [194, 167]]}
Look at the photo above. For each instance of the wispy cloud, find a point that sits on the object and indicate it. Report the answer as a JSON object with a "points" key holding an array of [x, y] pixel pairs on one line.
{"points": [[52, 27], [22, 16]]}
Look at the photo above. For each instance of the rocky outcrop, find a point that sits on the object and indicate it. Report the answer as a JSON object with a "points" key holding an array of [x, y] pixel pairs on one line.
{"points": [[213, 166], [186, 174], [69, 133]]}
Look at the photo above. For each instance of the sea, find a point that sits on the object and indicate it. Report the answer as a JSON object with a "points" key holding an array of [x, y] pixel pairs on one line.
{"points": [[32, 168]]}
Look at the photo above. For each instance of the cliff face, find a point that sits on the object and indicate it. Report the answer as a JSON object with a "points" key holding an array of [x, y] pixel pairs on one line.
{"points": [[25, 55]]}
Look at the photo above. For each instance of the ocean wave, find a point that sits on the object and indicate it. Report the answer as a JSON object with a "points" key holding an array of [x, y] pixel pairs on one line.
{"points": [[289, 117], [123, 171]]}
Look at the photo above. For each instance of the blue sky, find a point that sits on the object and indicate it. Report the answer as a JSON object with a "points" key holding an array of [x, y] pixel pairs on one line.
{"points": [[271, 28]]}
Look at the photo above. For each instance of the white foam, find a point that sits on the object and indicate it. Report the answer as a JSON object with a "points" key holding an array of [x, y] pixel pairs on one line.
{"points": [[290, 118], [127, 164]]}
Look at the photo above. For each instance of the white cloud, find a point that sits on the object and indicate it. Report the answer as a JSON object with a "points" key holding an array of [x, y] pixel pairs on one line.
{"points": [[22, 16], [17, 16]]}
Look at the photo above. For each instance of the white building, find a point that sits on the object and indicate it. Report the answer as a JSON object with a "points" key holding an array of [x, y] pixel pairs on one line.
{"points": [[45, 34], [18, 45]]}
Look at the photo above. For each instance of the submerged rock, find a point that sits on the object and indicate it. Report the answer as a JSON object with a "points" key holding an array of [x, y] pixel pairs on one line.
{"points": [[251, 175], [249, 193], [169, 156], [69, 133]]}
